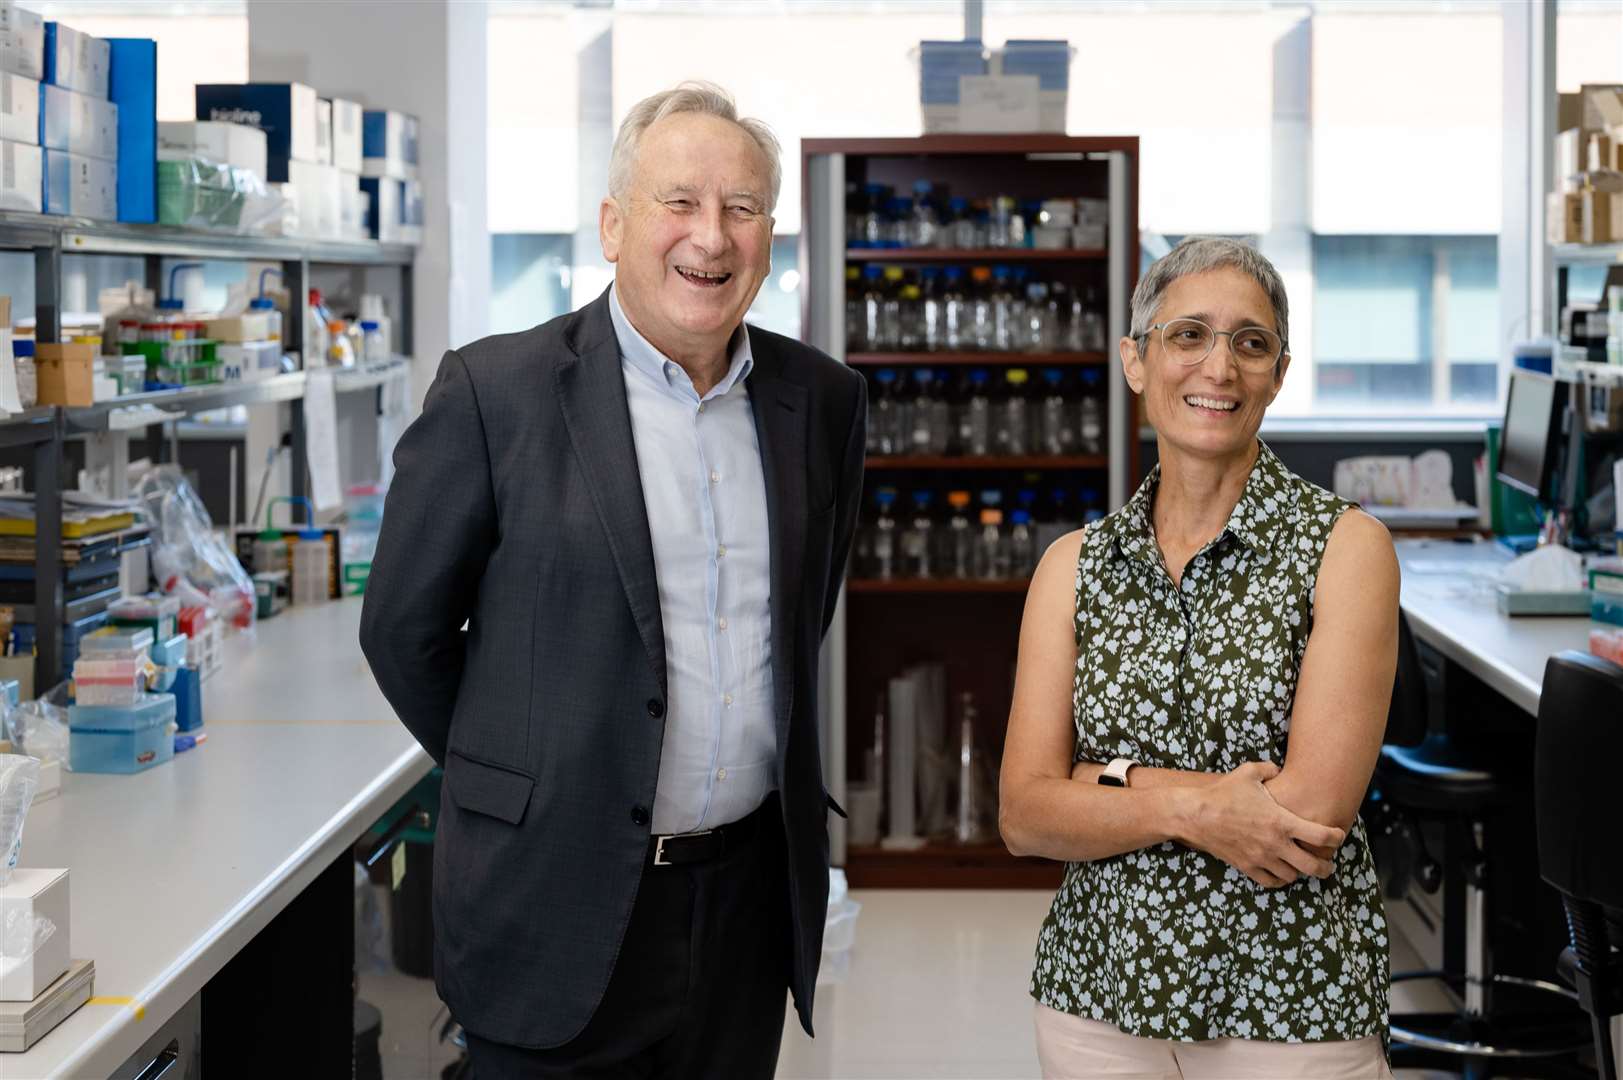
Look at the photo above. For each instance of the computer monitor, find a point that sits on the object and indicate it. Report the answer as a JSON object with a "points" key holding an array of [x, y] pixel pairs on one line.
{"points": [[1530, 448]]}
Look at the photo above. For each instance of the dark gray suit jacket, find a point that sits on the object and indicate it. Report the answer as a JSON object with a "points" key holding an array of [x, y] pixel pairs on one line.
{"points": [[516, 506]]}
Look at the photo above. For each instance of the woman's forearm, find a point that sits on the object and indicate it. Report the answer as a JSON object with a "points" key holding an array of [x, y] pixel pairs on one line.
{"points": [[1148, 777], [1079, 822]]}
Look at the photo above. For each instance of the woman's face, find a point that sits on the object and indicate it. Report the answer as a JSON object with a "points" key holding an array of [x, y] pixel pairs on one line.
{"points": [[1213, 408]]}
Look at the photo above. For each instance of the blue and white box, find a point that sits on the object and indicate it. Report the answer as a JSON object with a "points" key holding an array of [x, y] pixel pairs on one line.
{"points": [[19, 108], [121, 738], [388, 144], [285, 112], [78, 123], [22, 41], [384, 220], [941, 65], [133, 86], [21, 170], [1050, 62], [80, 186], [76, 60]]}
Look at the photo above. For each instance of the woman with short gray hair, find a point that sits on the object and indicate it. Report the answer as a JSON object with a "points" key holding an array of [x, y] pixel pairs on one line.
{"points": [[1200, 699]]}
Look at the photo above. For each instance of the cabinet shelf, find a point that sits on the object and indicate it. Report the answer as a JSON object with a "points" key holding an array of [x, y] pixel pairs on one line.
{"points": [[978, 256], [943, 864], [934, 586], [977, 359], [930, 461]]}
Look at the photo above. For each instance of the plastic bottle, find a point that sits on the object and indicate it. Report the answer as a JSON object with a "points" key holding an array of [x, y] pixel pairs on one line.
{"points": [[941, 425], [975, 429], [933, 315], [1012, 434], [855, 339], [1093, 323], [897, 226], [873, 308], [376, 350], [1056, 435], [1022, 544], [924, 223], [264, 305], [1057, 508], [372, 308], [316, 341], [982, 324], [1005, 334], [958, 554], [340, 350], [1038, 337], [918, 542], [1074, 315], [1091, 413], [963, 224], [883, 432], [910, 319], [999, 234], [991, 556], [921, 413], [884, 535], [955, 309], [890, 317], [311, 569], [873, 215]]}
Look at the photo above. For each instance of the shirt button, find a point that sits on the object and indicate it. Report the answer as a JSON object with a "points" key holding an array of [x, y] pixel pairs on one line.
{"points": [[701, 406], [721, 774], [721, 552], [727, 700], [656, 708], [715, 478], [639, 815], [722, 622]]}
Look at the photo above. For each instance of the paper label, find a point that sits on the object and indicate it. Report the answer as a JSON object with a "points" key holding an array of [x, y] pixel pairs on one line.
{"points": [[321, 439], [991, 103], [397, 867]]}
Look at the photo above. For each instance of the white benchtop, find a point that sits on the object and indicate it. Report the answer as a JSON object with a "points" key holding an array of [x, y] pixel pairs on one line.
{"points": [[176, 868]]}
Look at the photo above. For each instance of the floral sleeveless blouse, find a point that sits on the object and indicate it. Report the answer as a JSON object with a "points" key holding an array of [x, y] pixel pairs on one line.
{"points": [[1171, 943]]}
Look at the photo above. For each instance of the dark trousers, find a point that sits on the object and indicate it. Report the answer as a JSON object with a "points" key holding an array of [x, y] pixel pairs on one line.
{"points": [[699, 987]]}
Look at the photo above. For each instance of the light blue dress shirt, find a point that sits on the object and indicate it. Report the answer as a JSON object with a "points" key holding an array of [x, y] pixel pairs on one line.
{"points": [[705, 493]]}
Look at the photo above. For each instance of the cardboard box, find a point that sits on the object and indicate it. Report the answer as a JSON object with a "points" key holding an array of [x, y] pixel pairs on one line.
{"points": [[22, 41], [1601, 219], [1602, 154], [1569, 154], [80, 186], [388, 144], [35, 894], [323, 131], [65, 373], [285, 112], [21, 177], [19, 108], [133, 84], [225, 144], [1569, 111], [78, 123], [1597, 102], [249, 326], [346, 135], [1563, 217], [75, 60], [320, 203]]}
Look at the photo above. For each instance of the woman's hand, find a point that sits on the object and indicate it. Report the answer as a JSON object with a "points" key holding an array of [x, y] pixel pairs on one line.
{"points": [[1235, 819]]}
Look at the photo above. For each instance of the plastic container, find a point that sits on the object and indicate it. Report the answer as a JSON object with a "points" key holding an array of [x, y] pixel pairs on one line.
{"points": [[375, 350], [111, 681], [170, 652], [266, 306], [121, 738], [340, 353], [310, 568], [118, 642], [157, 613], [315, 332]]}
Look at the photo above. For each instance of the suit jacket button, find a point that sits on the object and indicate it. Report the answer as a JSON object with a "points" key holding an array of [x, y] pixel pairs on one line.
{"points": [[656, 708], [639, 815]]}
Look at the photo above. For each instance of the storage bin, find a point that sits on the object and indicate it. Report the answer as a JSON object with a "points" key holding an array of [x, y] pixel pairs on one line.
{"points": [[112, 681], [170, 652], [121, 738]]}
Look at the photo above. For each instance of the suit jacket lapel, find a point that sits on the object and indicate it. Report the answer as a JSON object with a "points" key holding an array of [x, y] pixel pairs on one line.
{"points": [[592, 397], [781, 409]]}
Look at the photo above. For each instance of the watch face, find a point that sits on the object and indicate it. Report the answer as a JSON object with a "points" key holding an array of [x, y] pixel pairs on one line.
{"points": [[1111, 781]]}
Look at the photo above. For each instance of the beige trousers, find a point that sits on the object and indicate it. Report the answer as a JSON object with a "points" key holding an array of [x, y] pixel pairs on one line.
{"points": [[1072, 1048]]}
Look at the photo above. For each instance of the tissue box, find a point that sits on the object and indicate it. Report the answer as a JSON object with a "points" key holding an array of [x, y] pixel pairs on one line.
{"points": [[76, 60], [388, 144], [22, 169], [19, 108], [134, 89], [219, 142], [78, 123], [121, 738], [40, 894], [285, 112], [80, 186], [347, 120], [22, 41]]}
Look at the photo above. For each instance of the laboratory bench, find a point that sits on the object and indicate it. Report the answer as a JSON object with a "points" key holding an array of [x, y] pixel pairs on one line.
{"points": [[211, 888]]}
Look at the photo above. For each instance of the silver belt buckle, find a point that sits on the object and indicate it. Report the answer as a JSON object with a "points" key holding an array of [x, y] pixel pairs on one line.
{"points": [[659, 845]]}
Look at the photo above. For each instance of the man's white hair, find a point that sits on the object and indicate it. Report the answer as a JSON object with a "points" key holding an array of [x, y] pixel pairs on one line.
{"points": [[694, 96]]}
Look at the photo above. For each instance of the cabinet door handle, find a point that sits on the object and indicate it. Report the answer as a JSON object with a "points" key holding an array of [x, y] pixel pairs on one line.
{"points": [[166, 1060]]}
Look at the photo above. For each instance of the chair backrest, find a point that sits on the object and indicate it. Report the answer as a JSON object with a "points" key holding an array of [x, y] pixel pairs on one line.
{"points": [[1577, 789], [1406, 720]]}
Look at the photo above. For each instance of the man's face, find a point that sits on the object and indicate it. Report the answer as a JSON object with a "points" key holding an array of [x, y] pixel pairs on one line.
{"points": [[692, 242]]}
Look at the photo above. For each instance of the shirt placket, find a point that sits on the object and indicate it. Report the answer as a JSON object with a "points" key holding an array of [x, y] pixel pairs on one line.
{"points": [[710, 495]]}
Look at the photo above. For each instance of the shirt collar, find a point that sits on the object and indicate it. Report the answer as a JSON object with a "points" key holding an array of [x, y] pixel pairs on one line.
{"points": [[642, 355], [1264, 505]]}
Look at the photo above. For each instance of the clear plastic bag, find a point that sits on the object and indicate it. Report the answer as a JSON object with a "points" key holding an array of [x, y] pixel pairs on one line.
{"points": [[204, 194], [191, 561], [19, 779], [40, 728]]}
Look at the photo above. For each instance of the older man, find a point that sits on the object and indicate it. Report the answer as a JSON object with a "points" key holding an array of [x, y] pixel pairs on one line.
{"points": [[641, 512]]}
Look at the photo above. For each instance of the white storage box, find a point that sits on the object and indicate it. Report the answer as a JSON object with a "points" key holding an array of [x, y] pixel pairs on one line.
{"points": [[80, 186], [1050, 63], [346, 135], [249, 360], [77, 60], [320, 201], [21, 170], [34, 895], [220, 142], [19, 108], [323, 131], [22, 41], [78, 123], [388, 144]]}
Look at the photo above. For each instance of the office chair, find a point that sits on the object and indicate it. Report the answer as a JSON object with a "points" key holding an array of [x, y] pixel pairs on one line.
{"points": [[1580, 808], [1423, 777]]}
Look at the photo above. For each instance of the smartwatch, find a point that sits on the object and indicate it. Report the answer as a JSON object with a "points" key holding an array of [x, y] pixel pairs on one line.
{"points": [[1115, 774]]}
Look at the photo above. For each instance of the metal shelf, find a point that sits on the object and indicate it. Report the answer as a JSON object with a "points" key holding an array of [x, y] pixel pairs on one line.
{"points": [[81, 236], [1600, 254], [346, 380], [29, 427], [192, 399]]}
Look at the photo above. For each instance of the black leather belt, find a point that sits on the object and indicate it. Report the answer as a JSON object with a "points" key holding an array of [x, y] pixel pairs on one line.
{"points": [[685, 849]]}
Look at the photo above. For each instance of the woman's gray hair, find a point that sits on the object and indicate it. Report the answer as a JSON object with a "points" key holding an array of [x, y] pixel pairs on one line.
{"points": [[695, 96], [1196, 255]]}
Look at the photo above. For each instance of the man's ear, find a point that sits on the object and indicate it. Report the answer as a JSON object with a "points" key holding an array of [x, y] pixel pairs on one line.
{"points": [[611, 224]]}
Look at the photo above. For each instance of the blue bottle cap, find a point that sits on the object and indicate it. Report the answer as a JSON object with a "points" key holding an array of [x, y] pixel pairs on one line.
{"points": [[1053, 376], [872, 272], [922, 186], [1020, 517], [262, 303], [979, 375], [885, 497], [368, 325], [958, 204], [991, 497], [885, 375], [1000, 271], [923, 375], [1091, 377], [921, 499], [953, 273], [1027, 497]]}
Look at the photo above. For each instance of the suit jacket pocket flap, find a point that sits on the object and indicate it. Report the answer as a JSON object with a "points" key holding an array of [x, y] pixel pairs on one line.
{"points": [[488, 789]]}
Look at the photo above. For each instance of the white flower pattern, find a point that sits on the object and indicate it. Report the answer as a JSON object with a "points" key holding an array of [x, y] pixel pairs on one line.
{"points": [[1171, 943]]}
